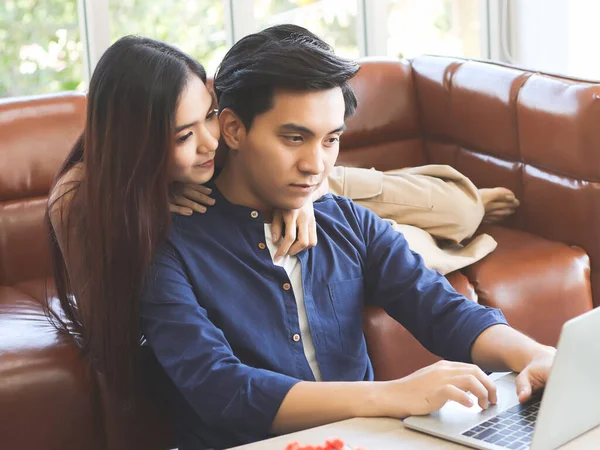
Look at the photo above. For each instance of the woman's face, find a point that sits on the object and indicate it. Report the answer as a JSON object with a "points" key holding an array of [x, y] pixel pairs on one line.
{"points": [[196, 135]]}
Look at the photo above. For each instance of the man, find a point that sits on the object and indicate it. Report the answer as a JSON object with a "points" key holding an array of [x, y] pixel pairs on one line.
{"points": [[257, 347]]}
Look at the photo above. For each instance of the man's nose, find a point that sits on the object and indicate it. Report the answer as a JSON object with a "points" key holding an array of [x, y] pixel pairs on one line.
{"points": [[312, 161]]}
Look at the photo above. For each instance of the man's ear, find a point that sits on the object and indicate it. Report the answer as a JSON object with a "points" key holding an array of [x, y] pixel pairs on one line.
{"points": [[233, 130]]}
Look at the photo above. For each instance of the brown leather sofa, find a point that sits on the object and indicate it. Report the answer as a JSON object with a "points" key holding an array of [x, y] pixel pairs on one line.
{"points": [[536, 134]]}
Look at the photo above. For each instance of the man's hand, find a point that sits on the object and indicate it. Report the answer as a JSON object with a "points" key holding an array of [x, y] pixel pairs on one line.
{"points": [[501, 348], [535, 375], [429, 388]]}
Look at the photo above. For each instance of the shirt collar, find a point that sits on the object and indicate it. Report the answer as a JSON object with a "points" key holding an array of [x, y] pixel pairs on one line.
{"points": [[239, 212]]}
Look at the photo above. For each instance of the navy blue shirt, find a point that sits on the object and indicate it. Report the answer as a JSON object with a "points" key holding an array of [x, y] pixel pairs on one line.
{"points": [[221, 317]]}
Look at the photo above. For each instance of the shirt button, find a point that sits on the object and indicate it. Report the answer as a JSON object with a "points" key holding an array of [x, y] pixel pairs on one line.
{"points": [[286, 286], [254, 214], [296, 337], [262, 246]]}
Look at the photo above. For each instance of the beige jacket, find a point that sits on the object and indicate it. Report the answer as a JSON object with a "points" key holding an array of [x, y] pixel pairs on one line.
{"points": [[435, 207]]}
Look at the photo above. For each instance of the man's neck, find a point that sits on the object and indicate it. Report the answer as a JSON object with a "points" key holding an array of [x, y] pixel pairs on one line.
{"points": [[233, 186]]}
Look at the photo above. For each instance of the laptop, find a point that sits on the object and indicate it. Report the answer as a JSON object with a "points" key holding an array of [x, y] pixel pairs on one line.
{"points": [[569, 406]]}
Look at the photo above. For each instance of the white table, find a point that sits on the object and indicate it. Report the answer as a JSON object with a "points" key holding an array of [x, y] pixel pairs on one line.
{"points": [[388, 434]]}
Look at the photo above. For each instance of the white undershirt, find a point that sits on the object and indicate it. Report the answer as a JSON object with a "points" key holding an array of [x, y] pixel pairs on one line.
{"points": [[293, 268]]}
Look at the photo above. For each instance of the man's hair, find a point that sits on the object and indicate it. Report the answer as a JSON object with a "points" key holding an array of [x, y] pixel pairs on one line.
{"points": [[280, 57]]}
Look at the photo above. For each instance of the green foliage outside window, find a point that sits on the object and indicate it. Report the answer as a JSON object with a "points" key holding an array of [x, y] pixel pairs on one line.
{"points": [[40, 47], [197, 27]]}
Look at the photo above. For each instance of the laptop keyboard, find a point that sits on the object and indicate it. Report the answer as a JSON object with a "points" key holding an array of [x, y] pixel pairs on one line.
{"points": [[511, 429]]}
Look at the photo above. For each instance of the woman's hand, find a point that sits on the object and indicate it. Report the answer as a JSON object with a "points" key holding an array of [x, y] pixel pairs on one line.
{"points": [[185, 199], [300, 225], [300, 230]]}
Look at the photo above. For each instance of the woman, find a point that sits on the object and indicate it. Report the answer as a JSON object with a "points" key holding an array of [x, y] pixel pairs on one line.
{"points": [[151, 126]]}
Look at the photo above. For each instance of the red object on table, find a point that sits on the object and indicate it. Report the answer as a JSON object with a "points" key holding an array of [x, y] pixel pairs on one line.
{"points": [[334, 444]]}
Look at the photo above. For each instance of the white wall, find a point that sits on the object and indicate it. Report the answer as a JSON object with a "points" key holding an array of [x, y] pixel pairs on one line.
{"points": [[560, 36], [584, 38]]}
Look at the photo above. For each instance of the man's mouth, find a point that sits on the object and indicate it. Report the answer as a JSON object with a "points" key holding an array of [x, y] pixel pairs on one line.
{"points": [[304, 188]]}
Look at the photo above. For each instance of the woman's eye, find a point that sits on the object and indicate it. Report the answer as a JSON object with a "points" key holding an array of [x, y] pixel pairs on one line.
{"points": [[184, 138], [333, 140], [212, 114]]}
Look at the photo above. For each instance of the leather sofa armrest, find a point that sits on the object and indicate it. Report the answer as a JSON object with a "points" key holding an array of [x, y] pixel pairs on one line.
{"points": [[47, 391], [31, 337], [147, 424], [537, 283]]}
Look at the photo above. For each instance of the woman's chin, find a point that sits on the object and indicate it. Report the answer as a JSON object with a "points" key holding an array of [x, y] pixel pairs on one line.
{"points": [[199, 176]]}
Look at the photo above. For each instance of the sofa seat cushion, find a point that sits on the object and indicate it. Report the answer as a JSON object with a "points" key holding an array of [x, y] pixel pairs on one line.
{"points": [[38, 288], [537, 283]]}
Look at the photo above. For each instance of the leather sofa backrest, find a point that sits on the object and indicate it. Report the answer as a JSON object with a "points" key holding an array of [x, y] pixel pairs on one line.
{"points": [[36, 133], [534, 133], [385, 131]]}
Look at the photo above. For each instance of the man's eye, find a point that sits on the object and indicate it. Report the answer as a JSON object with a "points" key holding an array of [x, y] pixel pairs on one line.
{"points": [[293, 138], [333, 140], [184, 138]]}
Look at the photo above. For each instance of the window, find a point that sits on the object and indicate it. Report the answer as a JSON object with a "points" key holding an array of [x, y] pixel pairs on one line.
{"points": [[442, 27], [40, 47], [335, 21], [197, 27], [43, 50]]}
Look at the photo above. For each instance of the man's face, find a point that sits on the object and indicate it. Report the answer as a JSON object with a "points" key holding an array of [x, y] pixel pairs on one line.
{"points": [[290, 149]]}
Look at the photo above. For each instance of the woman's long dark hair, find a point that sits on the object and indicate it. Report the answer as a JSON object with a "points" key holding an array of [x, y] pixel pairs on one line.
{"points": [[122, 212]]}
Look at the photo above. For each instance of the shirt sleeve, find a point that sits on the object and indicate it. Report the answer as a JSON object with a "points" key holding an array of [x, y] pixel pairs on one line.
{"points": [[195, 354], [423, 301]]}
